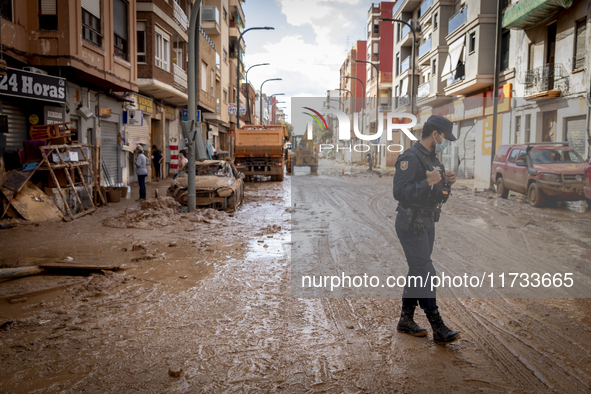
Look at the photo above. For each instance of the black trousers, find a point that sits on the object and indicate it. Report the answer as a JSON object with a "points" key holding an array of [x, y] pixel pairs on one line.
{"points": [[141, 179], [157, 170], [418, 249]]}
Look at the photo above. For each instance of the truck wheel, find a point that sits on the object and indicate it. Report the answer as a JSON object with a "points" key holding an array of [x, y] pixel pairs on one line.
{"points": [[535, 196], [281, 177], [588, 202], [501, 190]]}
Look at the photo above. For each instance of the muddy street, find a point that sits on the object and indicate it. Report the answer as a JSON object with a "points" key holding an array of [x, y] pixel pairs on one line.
{"points": [[204, 301]]}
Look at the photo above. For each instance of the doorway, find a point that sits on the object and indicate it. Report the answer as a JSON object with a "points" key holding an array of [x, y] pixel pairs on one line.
{"points": [[550, 56], [549, 127]]}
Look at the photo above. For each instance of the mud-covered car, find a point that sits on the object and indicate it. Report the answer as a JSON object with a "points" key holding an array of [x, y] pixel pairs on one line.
{"points": [[218, 185], [541, 171]]}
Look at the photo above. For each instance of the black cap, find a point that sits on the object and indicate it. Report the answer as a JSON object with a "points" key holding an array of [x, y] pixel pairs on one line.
{"points": [[441, 124]]}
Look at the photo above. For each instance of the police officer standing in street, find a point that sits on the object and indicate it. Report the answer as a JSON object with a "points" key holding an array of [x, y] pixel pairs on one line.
{"points": [[422, 186]]}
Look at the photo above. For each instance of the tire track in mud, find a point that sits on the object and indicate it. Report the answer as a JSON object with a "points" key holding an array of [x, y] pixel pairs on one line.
{"points": [[528, 353]]}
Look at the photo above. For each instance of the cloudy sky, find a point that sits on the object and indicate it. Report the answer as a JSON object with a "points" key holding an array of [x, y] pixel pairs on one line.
{"points": [[308, 46]]}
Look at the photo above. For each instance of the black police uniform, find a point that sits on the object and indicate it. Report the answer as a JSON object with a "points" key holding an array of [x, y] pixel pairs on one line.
{"points": [[413, 192]]}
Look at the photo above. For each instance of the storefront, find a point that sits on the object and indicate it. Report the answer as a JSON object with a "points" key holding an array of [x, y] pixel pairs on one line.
{"points": [[26, 99]]}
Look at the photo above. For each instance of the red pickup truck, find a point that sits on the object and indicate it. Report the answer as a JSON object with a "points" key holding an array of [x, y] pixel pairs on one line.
{"points": [[541, 171]]}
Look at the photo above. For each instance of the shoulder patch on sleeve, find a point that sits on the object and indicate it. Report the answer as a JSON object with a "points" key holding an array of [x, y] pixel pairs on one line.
{"points": [[404, 165]]}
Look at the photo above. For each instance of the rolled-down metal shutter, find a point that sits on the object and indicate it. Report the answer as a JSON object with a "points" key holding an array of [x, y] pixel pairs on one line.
{"points": [[139, 134], [467, 150], [576, 134], [17, 126], [109, 151]]}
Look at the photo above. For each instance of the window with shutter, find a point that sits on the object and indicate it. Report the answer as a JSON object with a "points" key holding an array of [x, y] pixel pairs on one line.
{"points": [[162, 50], [203, 76], [6, 9], [141, 42], [91, 22], [120, 29], [580, 33], [48, 14]]}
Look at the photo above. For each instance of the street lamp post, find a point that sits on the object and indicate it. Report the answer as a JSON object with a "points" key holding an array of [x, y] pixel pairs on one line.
{"points": [[261, 93], [345, 90], [238, 71], [377, 100], [247, 95], [272, 110], [414, 44], [363, 109], [378, 85]]}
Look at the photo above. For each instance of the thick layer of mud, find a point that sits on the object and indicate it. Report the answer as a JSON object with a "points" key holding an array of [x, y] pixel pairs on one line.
{"points": [[212, 310]]}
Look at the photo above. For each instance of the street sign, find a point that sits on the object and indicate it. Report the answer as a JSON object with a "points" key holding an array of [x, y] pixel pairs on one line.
{"points": [[185, 114], [232, 109], [198, 117], [134, 117]]}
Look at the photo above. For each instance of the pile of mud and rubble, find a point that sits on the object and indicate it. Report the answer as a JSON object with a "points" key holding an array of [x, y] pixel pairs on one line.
{"points": [[163, 212]]}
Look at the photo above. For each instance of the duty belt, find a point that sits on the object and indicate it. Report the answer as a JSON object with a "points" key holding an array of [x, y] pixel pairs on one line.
{"points": [[427, 213]]}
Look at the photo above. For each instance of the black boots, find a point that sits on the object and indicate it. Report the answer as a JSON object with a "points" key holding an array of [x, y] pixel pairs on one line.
{"points": [[441, 333], [407, 325]]}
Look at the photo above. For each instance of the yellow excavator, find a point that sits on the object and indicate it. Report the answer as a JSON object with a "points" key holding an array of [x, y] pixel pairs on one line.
{"points": [[302, 154]]}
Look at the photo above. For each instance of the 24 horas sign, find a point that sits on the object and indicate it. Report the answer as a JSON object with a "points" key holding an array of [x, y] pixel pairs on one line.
{"points": [[24, 84]]}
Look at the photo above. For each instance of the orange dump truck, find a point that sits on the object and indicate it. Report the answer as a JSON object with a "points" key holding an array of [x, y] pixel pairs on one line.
{"points": [[260, 150]]}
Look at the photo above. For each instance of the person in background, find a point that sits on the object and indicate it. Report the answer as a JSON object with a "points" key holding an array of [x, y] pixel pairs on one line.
{"points": [[182, 162], [182, 159], [157, 161], [141, 169]]}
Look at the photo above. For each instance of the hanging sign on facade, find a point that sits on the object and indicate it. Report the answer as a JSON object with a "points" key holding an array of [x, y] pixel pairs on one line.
{"points": [[133, 118], [24, 84]]}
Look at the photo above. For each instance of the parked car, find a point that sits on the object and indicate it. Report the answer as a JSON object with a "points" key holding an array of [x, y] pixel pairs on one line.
{"points": [[587, 188], [218, 185], [541, 171]]}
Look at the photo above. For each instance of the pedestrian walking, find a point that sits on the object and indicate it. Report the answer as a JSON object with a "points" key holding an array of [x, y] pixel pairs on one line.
{"points": [[422, 186], [141, 169], [157, 161]]}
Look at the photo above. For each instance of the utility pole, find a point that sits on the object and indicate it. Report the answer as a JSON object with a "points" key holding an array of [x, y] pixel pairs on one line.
{"points": [[191, 131], [495, 93]]}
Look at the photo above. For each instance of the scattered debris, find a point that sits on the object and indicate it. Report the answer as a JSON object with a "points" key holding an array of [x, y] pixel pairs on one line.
{"points": [[175, 371]]}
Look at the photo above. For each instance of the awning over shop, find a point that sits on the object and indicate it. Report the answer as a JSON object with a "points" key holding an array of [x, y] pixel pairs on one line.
{"points": [[455, 51], [529, 13]]}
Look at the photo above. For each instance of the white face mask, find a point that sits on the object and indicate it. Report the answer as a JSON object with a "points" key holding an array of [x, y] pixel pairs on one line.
{"points": [[441, 147]]}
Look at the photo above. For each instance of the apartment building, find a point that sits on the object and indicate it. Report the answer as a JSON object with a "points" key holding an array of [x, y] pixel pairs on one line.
{"points": [[84, 52], [454, 75], [353, 80], [237, 23], [216, 20], [552, 77], [379, 76]]}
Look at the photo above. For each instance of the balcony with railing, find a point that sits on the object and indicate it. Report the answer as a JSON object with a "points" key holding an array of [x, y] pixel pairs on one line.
{"points": [[425, 7], [402, 101], [457, 20], [549, 80], [405, 30], [180, 16], [179, 78], [424, 89], [405, 65], [210, 20], [424, 48]]}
